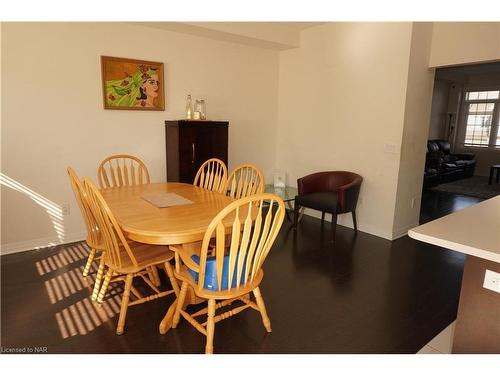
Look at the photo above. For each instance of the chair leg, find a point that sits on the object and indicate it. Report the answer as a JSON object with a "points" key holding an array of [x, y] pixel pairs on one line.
{"points": [[209, 348], [334, 226], [262, 309], [354, 222], [98, 279], [296, 210], [105, 284], [171, 277], [180, 304], [153, 275], [90, 259], [124, 307]]}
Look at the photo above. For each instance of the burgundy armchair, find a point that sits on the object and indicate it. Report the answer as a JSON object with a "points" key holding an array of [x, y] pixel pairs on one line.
{"points": [[334, 192]]}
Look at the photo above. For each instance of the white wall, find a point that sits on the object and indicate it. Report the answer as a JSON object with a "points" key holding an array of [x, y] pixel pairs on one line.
{"points": [[439, 111], [455, 43], [340, 101], [341, 107], [53, 117], [415, 131]]}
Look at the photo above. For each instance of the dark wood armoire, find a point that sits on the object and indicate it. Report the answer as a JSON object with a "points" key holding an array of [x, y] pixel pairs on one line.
{"points": [[190, 143]]}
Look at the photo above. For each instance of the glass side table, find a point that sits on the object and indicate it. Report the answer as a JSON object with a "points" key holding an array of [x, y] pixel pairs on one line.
{"points": [[288, 194]]}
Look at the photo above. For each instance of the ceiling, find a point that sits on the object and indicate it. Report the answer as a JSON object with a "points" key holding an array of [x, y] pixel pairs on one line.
{"points": [[270, 35], [463, 72]]}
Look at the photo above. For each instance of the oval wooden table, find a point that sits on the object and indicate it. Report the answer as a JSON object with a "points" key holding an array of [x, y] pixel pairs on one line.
{"points": [[183, 225]]}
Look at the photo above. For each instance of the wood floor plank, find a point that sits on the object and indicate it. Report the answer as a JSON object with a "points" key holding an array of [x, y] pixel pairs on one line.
{"points": [[369, 295]]}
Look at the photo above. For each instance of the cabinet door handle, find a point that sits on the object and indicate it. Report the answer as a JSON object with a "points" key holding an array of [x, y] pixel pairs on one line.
{"points": [[193, 153]]}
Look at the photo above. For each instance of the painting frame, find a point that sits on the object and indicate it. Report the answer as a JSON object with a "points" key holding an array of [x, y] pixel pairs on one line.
{"points": [[131, 84]]}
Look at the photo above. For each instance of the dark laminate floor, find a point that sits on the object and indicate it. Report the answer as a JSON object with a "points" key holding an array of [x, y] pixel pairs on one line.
{"points": [[436, 204], [365, 295]]}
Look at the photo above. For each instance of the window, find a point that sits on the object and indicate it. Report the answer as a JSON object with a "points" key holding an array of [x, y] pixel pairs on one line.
{"points": [[482, 118]]}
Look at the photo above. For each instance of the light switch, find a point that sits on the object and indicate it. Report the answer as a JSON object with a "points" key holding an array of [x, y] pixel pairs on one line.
{"points": [[492, 281]]}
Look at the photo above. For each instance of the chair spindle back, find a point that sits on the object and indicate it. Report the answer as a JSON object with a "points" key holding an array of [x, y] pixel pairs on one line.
{"points": [[115, 243], [122, 170], [256, 223], [93, 234], [244, 181], [212, 175]]}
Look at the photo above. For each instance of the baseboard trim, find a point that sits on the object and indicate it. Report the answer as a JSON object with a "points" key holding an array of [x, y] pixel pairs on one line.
{"points": [[402, 231], [39, 243], [363, 228], [18, 247]]}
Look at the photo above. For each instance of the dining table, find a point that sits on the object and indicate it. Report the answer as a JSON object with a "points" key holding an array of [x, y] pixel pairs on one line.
{"points": [[183, 223]]}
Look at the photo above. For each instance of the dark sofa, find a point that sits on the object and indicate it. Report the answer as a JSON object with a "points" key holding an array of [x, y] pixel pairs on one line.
{"points": [[442, 166]]}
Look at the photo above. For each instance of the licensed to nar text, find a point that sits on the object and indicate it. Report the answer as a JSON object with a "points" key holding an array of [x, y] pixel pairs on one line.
{"points": [[24, 349]]}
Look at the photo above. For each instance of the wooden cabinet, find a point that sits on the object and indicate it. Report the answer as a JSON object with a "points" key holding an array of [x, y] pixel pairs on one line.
{"points": [[190, 144]]}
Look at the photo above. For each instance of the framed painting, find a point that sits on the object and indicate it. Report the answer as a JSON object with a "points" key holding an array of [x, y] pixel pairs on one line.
{"points": [[132, 84]]}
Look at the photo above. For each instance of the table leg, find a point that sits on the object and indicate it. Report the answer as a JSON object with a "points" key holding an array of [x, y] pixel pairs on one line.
{"points": [[191, 298], [166, 322]]}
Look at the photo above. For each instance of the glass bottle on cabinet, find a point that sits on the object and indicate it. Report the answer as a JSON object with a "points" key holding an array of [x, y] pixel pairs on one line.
{"points": [[189, 108]]}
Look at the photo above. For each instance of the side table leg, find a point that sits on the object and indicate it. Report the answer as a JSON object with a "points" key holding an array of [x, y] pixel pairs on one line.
{"points": [[291, 208]]}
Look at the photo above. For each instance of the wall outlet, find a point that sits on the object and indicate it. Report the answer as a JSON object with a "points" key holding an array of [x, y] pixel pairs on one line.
{"points": [[492, 281], [65, 209]]}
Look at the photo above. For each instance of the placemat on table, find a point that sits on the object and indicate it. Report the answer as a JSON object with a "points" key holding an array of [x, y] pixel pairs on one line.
{"points": [[163, 200]]}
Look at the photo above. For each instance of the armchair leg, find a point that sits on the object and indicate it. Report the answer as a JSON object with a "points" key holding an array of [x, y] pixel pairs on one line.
{"points": [[354, 222], [334, 226], [296, 210]]}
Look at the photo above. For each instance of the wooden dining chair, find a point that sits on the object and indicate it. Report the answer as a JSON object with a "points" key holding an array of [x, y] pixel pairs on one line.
{"points": [[122, 170], [94, 239], [125, 170], [212, 175], [245, 180], [126, 259], [234, 271]]}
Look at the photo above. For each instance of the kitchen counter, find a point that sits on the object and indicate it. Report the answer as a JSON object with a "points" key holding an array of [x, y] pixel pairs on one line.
{"points": [[474, 231]]}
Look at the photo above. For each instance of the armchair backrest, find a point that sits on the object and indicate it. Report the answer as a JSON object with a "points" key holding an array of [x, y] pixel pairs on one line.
{"points": [[444, 146], [438, 145], [432, 146], [346, 184]]}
